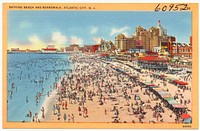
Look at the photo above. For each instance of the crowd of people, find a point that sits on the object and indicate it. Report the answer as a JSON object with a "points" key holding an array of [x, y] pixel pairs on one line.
{"points": [[92, 85]]}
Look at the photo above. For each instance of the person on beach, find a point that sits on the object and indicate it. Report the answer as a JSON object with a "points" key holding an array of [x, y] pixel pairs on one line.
{"points": [[105, 112], [42, 112], [66, 104], [30, 113], [36, 117], [65, 117], [72, 117], [54, 109], [79, 110], [69, 117], [33, 120], [11, 94], [26, 99], [63, 104]]}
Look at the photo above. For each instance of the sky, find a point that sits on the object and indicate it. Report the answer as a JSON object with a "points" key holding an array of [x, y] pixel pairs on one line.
{"points": [[37, 29]]}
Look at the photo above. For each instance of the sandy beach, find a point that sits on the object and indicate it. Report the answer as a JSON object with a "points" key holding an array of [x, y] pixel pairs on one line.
{"points": [[94, 92]]}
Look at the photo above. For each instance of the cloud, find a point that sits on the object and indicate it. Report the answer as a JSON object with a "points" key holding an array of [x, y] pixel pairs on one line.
{"points": [[25, 25], [93, 30], [58, 38], [119, 30], [96, 39], [76, 40], [17, 44], [125, 33], [36, 42]]}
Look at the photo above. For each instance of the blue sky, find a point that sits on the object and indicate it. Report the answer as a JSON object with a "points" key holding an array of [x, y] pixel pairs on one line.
{"points": [[36, 29]]}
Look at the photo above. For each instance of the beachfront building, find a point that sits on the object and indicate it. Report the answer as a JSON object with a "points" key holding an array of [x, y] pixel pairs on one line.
{"points": [[155, 39], [106, 46], [49, 49], [90, 48], [73, 47], [153, 62], [181, 49], [124, 43]]}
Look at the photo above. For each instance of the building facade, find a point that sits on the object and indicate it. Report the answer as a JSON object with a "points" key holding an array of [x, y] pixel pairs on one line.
{"points": [[73, 47], [154, 39], [106, 46]]}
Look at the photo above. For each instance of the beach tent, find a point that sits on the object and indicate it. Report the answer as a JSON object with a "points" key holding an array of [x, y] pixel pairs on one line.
{"points": [[178, 106], [162, 92], [172, 102], [153, 86], [165, 95], [186, 118], [169, 98], [188, 121], [148, 84], [181, 82], [158, 89], [171, 79]]}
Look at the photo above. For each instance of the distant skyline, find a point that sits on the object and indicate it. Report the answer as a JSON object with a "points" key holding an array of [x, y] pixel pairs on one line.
{"points": [[37, 29]]}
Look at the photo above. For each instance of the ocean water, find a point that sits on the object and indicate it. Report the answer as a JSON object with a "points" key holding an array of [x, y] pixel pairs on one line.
{"points": [[28, 75]]}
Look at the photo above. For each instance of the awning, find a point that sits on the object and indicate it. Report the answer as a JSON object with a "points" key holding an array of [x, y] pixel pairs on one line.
{"points": [[153, 59], [185, 116], [158, 89], [188, 121], [171, 79], [181, 82], [172, 102], [165, 95], [153, 86], [148, 84], [162, 92], [178, 106], [169, 99]]}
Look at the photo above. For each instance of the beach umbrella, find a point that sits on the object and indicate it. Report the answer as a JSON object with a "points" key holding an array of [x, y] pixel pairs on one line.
{"points": [[185, 116], [158, 89], [172, 102], [181, 82], [165, 95], [162, 92], [178, 106], [148, 84], [169, 99], [154, 86], [188, 121]]}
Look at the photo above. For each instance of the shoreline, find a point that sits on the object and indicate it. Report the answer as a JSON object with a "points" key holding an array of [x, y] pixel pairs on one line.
{"points": [[105, 113], [47, 104]]}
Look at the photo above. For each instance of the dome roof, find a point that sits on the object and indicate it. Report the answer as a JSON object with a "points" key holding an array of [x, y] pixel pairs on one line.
{"points": [[121, 36]]}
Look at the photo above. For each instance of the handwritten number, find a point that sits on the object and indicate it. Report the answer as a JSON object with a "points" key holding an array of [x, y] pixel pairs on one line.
{"points": [[164, 8], [171, 6], [175, 8], [185, 7], [157, 8]]}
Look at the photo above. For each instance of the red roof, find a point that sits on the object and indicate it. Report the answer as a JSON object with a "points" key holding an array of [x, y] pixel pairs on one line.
{"points": [[50, 49], [153, 58], [181, 82], [185, 116]]}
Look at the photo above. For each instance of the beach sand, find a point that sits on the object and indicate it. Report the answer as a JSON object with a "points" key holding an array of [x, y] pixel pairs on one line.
{"points": [[96, 112]]}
